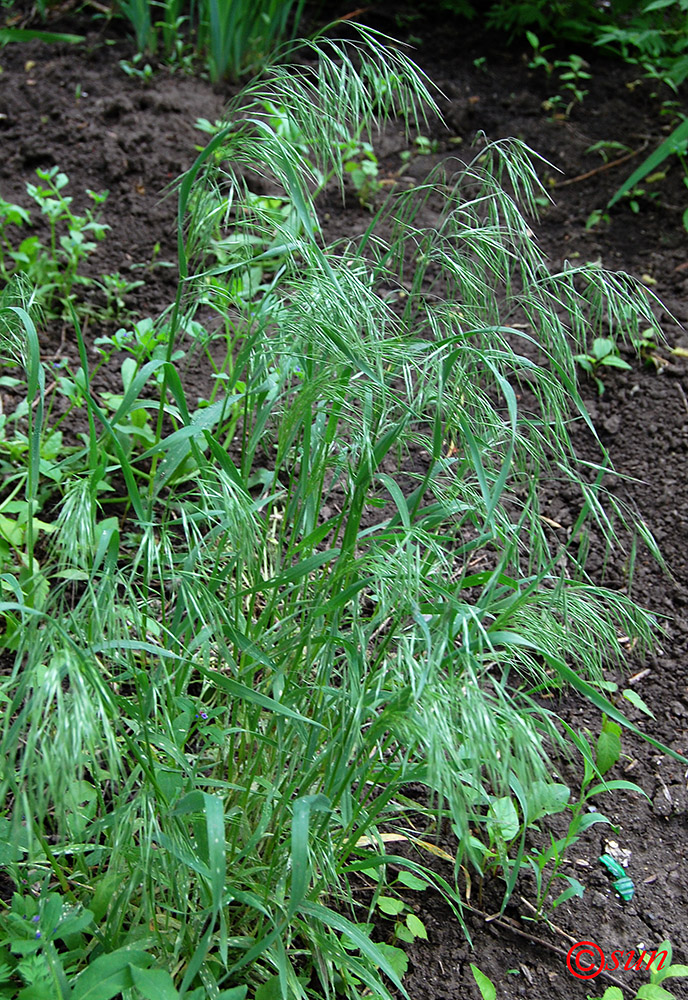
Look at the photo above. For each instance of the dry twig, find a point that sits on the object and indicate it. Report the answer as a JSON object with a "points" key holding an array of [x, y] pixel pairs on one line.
{"points": [[604, 166]]}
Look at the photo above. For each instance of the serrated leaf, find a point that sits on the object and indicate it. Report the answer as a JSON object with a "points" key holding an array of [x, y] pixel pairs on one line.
{"points": [[396, 958], [674, 972], [40, 990], [651, 991]]}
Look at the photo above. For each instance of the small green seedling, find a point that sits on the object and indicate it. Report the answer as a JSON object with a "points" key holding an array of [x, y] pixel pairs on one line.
{"points": [[53, 270], [572, 77], [596, 217], [422, 146], [426, 146], [116, 289], [146, 341], [636, 193], [210, 128], [136, 67], [647, 347], [407, 925], [669, 970], [603, 354], [606, 147], [153, 262], [573, 72], [360, 163], [675, 145], [538, 59], [660, 970]]}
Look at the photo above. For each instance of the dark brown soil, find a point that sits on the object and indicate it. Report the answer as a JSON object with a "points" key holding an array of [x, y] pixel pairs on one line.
{"points": [[76, 108]]}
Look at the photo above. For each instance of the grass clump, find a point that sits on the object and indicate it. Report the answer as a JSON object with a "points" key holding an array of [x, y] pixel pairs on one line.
{"points": [[231, 37], [251, 629]]}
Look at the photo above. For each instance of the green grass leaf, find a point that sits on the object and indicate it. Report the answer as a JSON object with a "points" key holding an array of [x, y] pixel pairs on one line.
{"points": [[380, 955], [663, 152], [8, 35]]}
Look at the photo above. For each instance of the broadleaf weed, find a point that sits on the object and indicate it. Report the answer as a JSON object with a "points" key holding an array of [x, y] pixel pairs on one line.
{"points": [[603, 354], [53, 269]]}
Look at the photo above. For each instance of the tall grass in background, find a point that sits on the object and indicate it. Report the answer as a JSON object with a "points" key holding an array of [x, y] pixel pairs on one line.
{"points": [[233, 36], [239, 37], [223, 683]]}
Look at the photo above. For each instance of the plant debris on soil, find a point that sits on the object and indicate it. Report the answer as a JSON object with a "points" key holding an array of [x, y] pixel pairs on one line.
{"points": [[74, 107]]}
